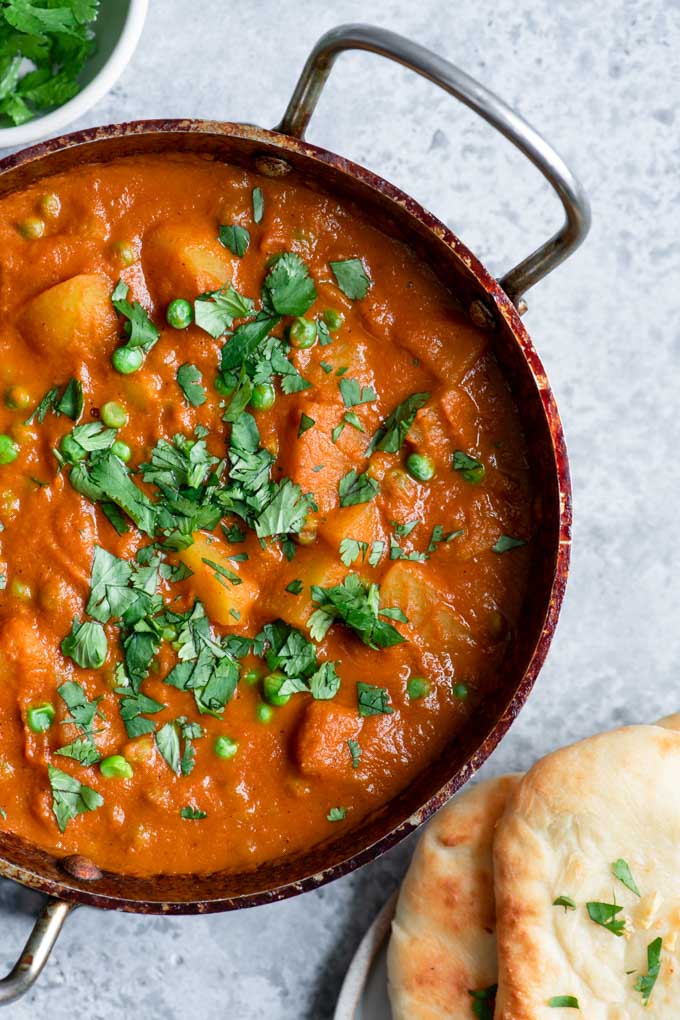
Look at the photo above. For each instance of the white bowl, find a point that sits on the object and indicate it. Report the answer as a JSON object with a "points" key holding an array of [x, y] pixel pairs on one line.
{"points": [[117, 30]]}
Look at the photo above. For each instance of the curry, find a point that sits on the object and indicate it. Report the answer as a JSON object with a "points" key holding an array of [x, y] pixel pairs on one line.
{"points": [[266, 516]]}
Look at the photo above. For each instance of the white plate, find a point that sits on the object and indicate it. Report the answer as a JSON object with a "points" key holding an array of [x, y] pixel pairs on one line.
{"points": [[363, 995]]}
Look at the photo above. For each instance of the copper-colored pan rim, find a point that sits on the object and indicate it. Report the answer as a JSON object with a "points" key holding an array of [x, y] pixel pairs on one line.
{"points": [[503, 305]]}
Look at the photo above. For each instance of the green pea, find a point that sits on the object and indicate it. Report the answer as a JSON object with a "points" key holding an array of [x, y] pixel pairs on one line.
{"points": [[460, 691], [225, 384], [127, 359], [114, 415], [50, 205], [420, 467], [31, 228], [18, 397], [116, 767], [71, 450], [417, 687], [252, 677], [263, 397], [121, 450], [302, 333], [40, 717], [333, 319], [179, 314], [9, 450], [271, 686], [125, 253], [225, 747], [265, 713]]}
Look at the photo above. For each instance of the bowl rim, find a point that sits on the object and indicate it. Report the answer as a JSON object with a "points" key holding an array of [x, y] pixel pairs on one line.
{"points": [[56, 120]]}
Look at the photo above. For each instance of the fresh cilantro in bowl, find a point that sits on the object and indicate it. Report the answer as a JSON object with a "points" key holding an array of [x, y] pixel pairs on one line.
{"points": [[44, 45]]}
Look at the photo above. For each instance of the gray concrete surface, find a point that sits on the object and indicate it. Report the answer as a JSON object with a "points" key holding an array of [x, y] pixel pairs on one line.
{"points": [[602, 81]]}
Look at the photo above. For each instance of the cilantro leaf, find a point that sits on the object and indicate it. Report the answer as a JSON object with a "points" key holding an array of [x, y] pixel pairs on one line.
{"points": [[506, 542], [235, 238], [70, 797], [373, 700], [564, 1002], [69, 403], [645, 982], [81, 750], [604, 914], [245, 340], [356, 488], [142, 332], [391, 434], [189, 379], [131, 707], [564, 901], [86, 644], [336, 814], [470, 470], [81, 708], [111, 480], [193, 814], [324, 684], [351, 278], [215, 312], [286, 513], [621, 870], [295, 587], [355, 605], [483, 1002], [355, 751], [354, 394], [258, 205], [306, 423], [167, 741], [288, 288]]}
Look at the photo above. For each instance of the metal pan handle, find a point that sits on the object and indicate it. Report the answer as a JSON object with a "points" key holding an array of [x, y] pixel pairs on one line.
{"points": [[36, 952], [454, 81]]}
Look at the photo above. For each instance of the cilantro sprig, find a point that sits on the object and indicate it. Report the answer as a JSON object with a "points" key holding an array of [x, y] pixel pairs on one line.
{"points": [[358, 607]]}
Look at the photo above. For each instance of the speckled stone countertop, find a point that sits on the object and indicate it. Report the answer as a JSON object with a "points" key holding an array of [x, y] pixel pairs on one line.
{"points": [[602, 81]]}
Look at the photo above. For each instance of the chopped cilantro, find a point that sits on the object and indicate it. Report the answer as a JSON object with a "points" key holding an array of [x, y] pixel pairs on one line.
{"points": [[355, 751], [355, 605], [206, 667], [286, 512], [377, 549], [563, 1002], [70, 403], [83, 711], [373, 700], [645, 982], [507, 542], [471, 470], [192, 814], [190, 379], [351, 278], [70, 797], [356, 488], [235, 238], [295, 587], [81, 750], [326, 367], [222, 574], [142, 332], [604, 914], [621, 871], [391, 434], [86, 644], [351, 549], [354, 394], [483, 1002], [404, 530], [336, 814], [132, 706], [564, 901], [258, 205], [215, 311], [288, 289], [167, 741], [306, 423]]}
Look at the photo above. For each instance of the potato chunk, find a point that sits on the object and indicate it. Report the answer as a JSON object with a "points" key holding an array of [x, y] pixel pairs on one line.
{"points": [[321, 746], [362, 522], [433, 620], [74, 316], [311, 565], [183, 260], [227, 603]]}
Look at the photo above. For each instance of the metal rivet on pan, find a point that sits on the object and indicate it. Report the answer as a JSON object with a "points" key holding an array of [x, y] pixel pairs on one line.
{"points": [[481, 315], [272, 166], [81, 868]]}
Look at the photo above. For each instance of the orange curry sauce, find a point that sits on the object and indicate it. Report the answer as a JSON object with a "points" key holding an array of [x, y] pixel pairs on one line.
{"points": [[153, 223]]}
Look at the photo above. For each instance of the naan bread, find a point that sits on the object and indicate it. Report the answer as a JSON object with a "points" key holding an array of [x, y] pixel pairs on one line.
{"points": [[443, 940], [610, 797]]}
